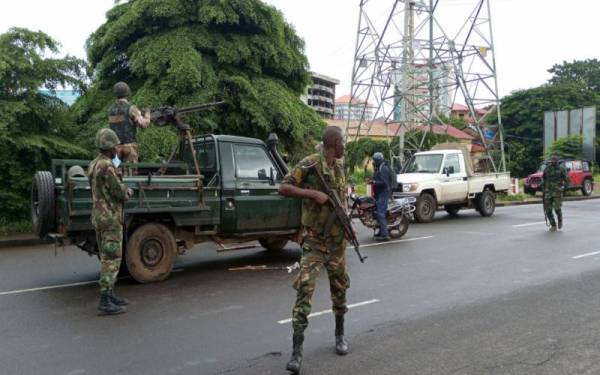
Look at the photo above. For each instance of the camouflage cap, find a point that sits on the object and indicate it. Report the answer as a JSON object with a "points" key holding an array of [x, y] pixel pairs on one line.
{"points": [[121, 90], [106, 139]]}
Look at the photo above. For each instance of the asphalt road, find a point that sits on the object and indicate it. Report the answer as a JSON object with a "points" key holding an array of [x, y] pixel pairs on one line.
{"points": [[466, 295]]}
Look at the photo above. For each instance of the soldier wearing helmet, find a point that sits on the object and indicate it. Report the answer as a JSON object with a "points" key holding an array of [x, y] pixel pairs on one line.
{"points": [[124, 119], [108, 196]]}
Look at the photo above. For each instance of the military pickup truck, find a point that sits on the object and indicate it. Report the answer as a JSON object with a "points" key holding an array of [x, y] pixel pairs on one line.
{"points": [[234, 200]]}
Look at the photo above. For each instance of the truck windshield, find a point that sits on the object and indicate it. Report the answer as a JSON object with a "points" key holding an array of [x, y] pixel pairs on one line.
{"points": [[430, 163]]}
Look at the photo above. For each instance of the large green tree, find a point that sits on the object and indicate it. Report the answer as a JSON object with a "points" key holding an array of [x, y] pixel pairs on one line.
{"points": [[584, 72], [182, 52], [34, 127], [523, 118]]}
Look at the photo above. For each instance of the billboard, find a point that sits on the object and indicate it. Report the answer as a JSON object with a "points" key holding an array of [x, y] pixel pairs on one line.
{"points": [[582, 121]]}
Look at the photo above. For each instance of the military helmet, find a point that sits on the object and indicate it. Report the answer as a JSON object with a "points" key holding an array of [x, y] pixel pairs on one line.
{"points": [[378, 156], [106, 139], [121, 90]]}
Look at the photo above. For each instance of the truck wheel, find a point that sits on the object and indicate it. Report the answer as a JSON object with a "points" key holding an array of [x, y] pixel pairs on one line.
{"points": [[273, 244], [151, 253], [452, 209], [587, 188], [400, 230], [426, 207], [42, 203], [486, 203]]}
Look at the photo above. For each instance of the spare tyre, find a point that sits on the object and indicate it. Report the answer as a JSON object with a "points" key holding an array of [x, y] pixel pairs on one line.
{"points": [[42, 203]]}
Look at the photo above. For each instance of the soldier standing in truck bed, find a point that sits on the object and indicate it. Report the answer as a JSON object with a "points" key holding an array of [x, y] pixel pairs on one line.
{"points": [[124, 119]]}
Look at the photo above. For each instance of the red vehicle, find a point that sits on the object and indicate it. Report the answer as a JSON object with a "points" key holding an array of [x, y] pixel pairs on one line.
{"points": [[580, 175]]}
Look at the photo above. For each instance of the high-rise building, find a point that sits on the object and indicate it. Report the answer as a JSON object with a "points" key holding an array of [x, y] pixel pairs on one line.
{"points": [[418, 88], [320, 95], [344, 110]]}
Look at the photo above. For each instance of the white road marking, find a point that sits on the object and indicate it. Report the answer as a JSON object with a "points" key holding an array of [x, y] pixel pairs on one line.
{"points": [[391, 242], [47, 288], [586, 255], [21, 291], [369, 302], [529, 224]]}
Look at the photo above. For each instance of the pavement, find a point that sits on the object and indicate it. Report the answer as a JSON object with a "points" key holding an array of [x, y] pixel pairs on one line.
{"points": [[464, 295]]}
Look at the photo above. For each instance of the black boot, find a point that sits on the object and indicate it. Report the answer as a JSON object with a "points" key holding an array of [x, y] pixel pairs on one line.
{"points": [[560, 220], [107, 307], [341, 346], [117, 300], [296, 361]]}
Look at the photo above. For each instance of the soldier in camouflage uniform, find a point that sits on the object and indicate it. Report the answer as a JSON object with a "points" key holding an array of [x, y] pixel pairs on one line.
{"points": [[556, 179], [108, 195], [319, 249], [124, 119]]}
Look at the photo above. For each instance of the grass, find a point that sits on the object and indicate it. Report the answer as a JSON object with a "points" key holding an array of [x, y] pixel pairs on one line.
{"points": [[14, 226], [513, 198]]}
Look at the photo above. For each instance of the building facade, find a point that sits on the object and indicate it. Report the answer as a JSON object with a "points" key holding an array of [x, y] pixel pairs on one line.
{"points": [[320, 95], [344, 110]]}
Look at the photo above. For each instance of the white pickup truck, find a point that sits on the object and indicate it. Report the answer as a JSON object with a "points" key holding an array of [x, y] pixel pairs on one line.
{"points": [[445, 176]]}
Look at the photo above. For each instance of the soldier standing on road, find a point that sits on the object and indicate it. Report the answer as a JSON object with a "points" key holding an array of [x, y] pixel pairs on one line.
{"points": [[556, 179], [319, 249], [108, 196], [124, 119]]}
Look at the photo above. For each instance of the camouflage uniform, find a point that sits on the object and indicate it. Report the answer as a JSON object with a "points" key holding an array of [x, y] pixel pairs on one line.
{"points": [[108, 194], [319, 249], [554, 177]]}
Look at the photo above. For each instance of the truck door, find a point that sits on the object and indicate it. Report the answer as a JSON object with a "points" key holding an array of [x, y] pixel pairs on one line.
{"points": [[454, 180], [258, 205]]}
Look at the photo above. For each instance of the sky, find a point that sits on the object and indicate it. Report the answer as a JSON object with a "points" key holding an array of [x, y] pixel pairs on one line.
{"points": [[530, 35]]}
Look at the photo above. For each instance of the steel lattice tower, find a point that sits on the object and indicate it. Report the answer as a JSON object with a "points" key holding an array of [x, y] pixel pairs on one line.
{"points": [[412, 71]]}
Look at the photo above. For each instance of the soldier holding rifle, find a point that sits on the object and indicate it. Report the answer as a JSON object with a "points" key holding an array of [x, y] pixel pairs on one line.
{"points": [[324, 236]]}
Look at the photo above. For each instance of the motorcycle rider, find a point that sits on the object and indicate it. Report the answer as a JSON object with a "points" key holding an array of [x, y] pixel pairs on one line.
{"points": [[381, 184]]}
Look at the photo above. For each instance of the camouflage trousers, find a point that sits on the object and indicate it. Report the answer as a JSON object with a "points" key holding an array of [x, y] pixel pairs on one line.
{"points": [[311, 264], [128, 153], [110, 249], [553, 203]]}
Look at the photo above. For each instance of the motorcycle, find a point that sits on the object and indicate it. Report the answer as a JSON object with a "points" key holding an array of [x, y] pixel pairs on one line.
{"points": [[399, 213]]}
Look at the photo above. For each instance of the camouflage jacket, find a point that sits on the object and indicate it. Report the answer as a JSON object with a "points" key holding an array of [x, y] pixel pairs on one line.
{"points": [[108, 193], [314, 215], [554, 178]]}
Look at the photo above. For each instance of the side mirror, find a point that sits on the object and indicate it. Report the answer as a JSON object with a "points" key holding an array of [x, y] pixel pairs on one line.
{"points": [[262, 174]]}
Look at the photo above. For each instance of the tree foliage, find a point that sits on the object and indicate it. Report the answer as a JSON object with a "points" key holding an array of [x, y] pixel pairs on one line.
{"points": [[570, 147], [523, 119], [584, 72], [183, 52], [33, 127]]}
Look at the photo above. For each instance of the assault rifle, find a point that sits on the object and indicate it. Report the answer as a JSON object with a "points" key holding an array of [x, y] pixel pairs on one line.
{"points": [[338, 214]]}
